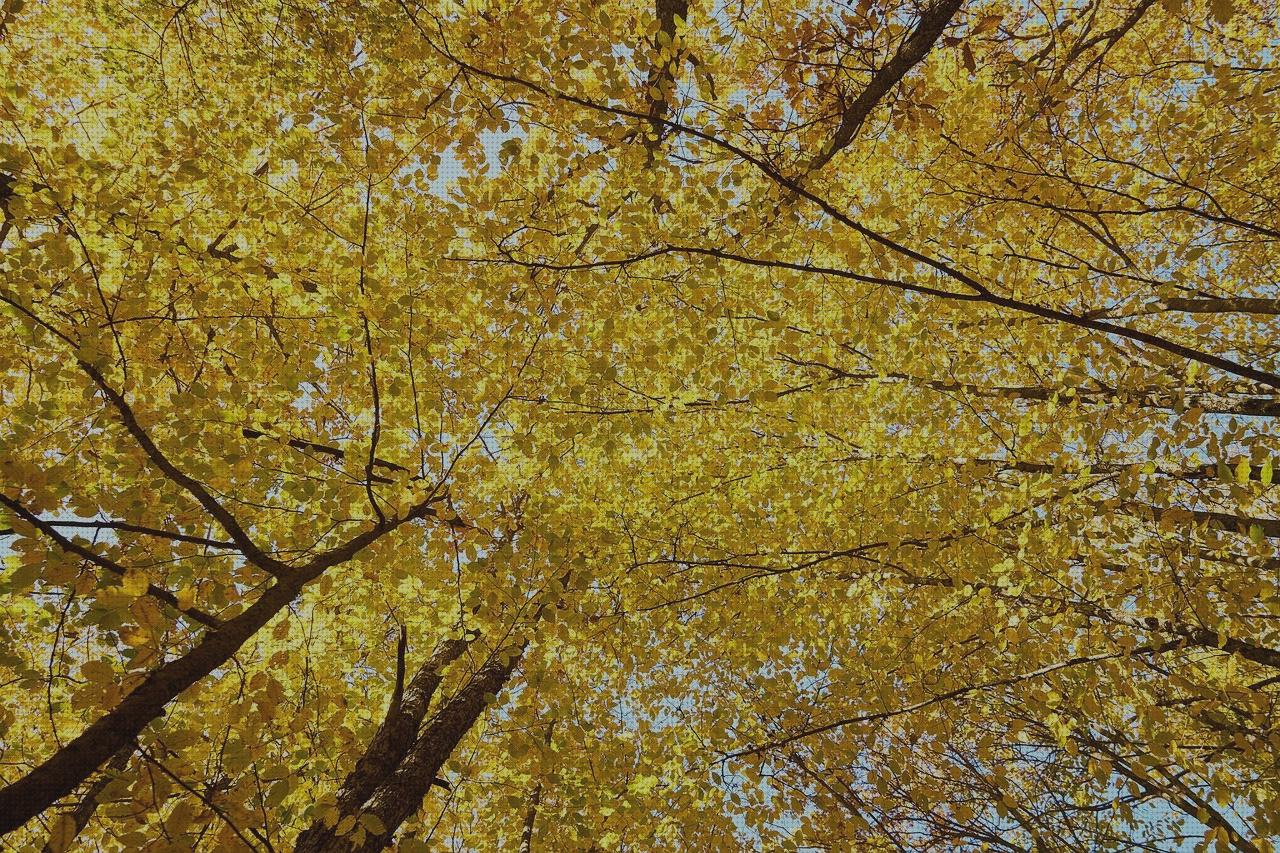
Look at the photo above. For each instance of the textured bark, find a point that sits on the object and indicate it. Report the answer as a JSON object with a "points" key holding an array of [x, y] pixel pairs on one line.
{"points": [[396, 735], [1228, 521], [662, 79], [530, 817], [535, 800], [398, 793], [73, 763], [1226, 305], [1206, 639], [391, 742]]}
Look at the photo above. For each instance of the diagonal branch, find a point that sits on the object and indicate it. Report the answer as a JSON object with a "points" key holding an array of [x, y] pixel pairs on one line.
{"points": [[328, 450], [958, 693], [129, 527], [69, 825], [50, 530], [829, 208], [193, 487], [71, 764], [927, 31]]}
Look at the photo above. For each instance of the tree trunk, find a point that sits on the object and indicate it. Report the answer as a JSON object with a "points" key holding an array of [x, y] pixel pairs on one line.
{"points": [[396, 772]]}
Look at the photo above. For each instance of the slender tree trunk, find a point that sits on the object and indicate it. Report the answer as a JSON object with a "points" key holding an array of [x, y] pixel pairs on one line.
{"points": [[535, 800], [933, 20], [76, 761], [661, 85]]}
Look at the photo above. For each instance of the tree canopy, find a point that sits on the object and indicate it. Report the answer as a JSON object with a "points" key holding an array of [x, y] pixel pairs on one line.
{"points": [[577, 426]]}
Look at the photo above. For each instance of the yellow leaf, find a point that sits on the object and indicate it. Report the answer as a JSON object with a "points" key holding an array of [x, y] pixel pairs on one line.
{"points": [[97, 671], [987, 23], [64, 832], [134, 583]]}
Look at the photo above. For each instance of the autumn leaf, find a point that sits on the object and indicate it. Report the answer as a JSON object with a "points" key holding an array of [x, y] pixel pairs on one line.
{"points": [[646, 427]]}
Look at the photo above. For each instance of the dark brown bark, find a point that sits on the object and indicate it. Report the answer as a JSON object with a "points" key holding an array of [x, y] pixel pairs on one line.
{"points": [[530, 818], [1269, 527], [7, 14], [974, 291], [399, 776], [331, 451], [1187, 634], [50, 529], [1225, 305], [662, 79], [977, 292], [393, 739], [73, 763], [187, 483], [535, 800], [917, 45], [1195, 473], [69, 766], [83, 812]]}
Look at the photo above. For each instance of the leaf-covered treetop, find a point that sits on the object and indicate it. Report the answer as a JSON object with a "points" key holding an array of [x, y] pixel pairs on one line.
{"points": [[677, 426]]}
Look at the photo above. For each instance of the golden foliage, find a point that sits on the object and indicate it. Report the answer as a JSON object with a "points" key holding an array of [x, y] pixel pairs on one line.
{"points": [[785, 426]]}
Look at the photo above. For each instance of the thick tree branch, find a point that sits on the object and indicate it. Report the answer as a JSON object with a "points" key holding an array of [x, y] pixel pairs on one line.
{"points": [[933, 20], [193, 487], [979, 291], [74, 762], [69, 825], [401, 785], [1224, 305]]}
